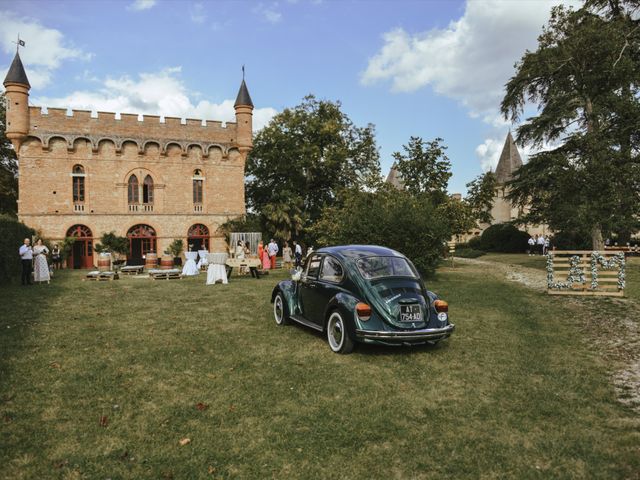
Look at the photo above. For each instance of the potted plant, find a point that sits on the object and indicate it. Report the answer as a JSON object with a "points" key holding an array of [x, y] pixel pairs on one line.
{"points": [[115, 245], [175, 248]]}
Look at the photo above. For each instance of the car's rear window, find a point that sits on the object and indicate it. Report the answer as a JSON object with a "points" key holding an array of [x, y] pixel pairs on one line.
{"points": [[380, 267]]}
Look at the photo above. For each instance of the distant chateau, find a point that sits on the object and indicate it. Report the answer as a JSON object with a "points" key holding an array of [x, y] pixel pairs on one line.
{"points": [[151, 179], [502, 210]]}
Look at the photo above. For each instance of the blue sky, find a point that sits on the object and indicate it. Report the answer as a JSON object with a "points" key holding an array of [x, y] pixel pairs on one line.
{"points": [[431, 68]]}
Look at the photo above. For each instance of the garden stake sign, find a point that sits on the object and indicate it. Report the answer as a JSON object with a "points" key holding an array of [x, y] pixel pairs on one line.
{"points": [[586, 273]]}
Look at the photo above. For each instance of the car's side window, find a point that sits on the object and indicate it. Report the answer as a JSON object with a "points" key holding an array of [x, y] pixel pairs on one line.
{"points": [[331, 270], [313, 267]]}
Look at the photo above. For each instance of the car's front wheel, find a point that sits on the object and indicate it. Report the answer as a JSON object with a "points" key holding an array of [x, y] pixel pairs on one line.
{"points": [[280, 310], [338, 335]]}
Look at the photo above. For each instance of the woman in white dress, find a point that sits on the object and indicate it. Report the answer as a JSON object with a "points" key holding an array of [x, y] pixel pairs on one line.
{"points": [[40, 264]]}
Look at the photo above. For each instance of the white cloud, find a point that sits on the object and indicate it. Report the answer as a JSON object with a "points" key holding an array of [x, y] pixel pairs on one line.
{"points": [[488, 153], [269, 13], [196, 11], [470, 60], [139, 5], [160, 93], [46, 48]]}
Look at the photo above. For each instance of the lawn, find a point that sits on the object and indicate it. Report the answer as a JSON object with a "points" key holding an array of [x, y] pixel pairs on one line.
{"points": [[107, 380]]}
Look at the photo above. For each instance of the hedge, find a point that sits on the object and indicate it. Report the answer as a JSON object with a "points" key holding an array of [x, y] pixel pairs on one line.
{"points": [[504, 238], [12, 234]]}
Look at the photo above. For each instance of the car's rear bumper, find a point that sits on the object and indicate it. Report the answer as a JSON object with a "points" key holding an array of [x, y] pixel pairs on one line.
{"points": [[405, 336]]}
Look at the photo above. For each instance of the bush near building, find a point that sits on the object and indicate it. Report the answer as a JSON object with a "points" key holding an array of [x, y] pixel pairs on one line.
{"points": [[13, 234], [504, 238]]}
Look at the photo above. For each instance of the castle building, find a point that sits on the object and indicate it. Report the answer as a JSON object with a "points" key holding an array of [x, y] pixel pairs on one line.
{"points": [[510, 160], [503, 210], [152, 179]]}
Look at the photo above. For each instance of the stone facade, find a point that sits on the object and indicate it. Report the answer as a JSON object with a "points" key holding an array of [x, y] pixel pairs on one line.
{"points": [[76, 168]]}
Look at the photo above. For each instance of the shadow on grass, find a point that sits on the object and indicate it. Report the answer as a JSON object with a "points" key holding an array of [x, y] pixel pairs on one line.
{"points": [[371, 349], [24, 310]]}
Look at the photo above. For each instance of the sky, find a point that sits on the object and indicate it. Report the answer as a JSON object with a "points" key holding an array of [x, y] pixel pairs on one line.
{"points": [[429, 68]]}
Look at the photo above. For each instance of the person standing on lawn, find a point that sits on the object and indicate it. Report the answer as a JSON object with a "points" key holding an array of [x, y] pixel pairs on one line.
{"points": [[26, 257], [286, 256], [540, 242], [40, 264], [297, 252], [273, 251], [56, 257], [532, 246]]}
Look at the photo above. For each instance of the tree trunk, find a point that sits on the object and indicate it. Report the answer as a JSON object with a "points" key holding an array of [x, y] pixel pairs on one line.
{"points": [[597, 243]]}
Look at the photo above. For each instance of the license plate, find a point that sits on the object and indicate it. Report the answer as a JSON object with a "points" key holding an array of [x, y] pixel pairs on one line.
{"points": [[410, 313]]}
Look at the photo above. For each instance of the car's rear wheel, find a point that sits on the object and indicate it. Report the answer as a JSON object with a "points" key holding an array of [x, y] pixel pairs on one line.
{"points": [[337, 334], [280, 310]]}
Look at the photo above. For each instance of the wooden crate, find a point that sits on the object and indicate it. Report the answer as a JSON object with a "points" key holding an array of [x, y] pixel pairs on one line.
{"points": [[101, 276], [607, 278], [132, 270], [165, 274]]}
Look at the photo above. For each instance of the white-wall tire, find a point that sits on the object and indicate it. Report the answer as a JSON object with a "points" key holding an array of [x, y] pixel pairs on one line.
{"points": [[280, 310], [337, 334]]}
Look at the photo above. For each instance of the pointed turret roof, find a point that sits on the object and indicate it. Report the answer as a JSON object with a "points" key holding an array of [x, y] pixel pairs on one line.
{"points": [[243, 97], [394, 177], [16, 73], [509, 162]]}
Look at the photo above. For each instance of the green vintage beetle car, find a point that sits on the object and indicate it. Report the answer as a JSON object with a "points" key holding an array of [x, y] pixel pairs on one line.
{"points": [[362, 293]]}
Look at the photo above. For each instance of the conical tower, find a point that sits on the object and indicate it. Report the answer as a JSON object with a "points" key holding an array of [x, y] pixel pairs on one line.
{"points": [[244, 118], [17, 89], [509, 162], [394, 177]]}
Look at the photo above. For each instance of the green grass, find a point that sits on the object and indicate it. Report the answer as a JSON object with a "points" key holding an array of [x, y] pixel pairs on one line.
{"points": [[515, 393]]}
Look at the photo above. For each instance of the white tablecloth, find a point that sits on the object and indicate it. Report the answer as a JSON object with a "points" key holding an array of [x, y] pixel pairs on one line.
{"points": [[203, 254], [190, 268], [217, 270]]}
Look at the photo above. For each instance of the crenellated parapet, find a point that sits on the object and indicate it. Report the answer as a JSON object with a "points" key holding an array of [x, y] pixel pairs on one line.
{"points": [[138, 129]]}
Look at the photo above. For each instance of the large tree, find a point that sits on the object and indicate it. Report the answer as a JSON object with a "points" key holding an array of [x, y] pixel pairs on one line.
{"points": [[8, 167], [481, 192], [301, 161], [584, 79], [424, 167]]}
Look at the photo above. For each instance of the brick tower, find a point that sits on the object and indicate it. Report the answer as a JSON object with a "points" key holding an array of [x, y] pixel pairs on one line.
{"points": [[17, 89]]}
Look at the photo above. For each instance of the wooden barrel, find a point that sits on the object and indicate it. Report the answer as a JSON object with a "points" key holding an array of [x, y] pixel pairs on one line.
{"points": [[104, 262], [166, 262], [151, 260]]}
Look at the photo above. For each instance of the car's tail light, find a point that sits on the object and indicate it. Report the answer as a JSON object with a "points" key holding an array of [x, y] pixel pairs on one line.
{"points": [[363, 311], [441, 306]]}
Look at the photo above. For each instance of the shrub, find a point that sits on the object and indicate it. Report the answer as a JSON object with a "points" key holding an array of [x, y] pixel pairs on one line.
{"points": [[468, 253], [475, 243], [411, 225], [504, 238], [13, 234]]}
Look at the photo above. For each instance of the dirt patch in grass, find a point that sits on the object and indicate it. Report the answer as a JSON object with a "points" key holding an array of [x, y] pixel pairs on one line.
{"points": [[611, 324]]}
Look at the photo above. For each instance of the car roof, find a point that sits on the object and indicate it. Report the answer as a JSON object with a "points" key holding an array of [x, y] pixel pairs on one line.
{"points": [[359, 251]]}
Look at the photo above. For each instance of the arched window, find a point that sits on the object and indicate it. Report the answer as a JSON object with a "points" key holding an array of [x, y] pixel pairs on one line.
{"points": [[198, 237], [147, 190], [77, 178], [134, 190], [198, 184]]}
